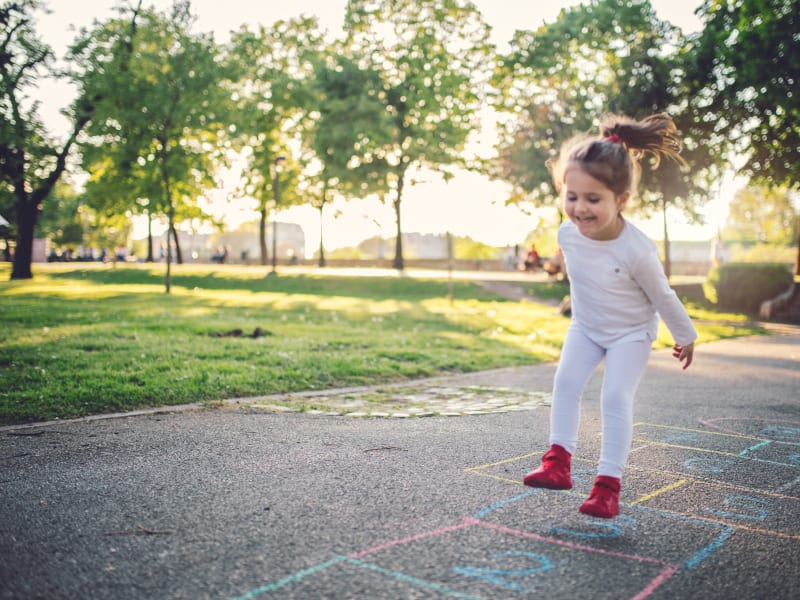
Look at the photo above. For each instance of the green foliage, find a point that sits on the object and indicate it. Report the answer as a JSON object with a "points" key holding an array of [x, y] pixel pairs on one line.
{"points": [[158, 120], [270, 104], [31, 161], [351, 117], [763, 214], [762, 253], [745, 74], [558, 79], [271, 95], [747, 67], [404, 88], [744, 286], [466, 247], [691, 293], [60, 218]]}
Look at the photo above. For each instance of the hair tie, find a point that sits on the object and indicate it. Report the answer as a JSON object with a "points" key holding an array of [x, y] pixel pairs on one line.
{"points": [[612, 138]]}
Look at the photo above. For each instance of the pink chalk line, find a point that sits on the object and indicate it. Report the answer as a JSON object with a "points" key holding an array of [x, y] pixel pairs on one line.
{"points": [[413, 538]]}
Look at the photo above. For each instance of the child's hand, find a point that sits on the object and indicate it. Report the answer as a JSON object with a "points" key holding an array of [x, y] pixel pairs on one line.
{"points": [[684, 353]]}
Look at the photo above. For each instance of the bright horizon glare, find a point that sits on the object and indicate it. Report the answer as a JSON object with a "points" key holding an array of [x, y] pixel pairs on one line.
{"points": [[469, 205]]}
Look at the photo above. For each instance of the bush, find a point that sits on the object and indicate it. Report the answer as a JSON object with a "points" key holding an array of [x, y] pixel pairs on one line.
{"points": [[690, 292], [742, 287]]}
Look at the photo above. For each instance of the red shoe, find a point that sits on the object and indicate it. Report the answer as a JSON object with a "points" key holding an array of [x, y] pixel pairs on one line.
{"points": [[553, 473], [603, 501]]}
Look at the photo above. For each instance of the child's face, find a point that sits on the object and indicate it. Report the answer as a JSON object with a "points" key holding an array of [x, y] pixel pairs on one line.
{"points": [[592, 206]]}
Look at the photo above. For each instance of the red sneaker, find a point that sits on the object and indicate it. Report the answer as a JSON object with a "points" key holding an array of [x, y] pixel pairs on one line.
{"points": [[553, 473], [603, 501]]}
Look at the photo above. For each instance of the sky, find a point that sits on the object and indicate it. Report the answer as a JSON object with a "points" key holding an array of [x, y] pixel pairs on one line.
{"points": [[468, 205]]}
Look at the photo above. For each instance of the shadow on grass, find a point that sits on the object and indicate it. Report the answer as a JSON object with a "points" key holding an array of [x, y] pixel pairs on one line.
{"points": [[375, 288]]}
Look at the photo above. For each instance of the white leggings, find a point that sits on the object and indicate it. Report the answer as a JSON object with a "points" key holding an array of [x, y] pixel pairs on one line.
{"points": [[624, 366]]}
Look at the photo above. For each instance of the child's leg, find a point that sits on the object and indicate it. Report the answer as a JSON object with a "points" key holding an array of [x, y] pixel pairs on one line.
{"points": [[623, 370], [624, 367], [579, 357]]}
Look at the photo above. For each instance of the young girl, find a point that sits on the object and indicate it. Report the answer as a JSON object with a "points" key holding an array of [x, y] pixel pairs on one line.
{"points": [[617, 289]]}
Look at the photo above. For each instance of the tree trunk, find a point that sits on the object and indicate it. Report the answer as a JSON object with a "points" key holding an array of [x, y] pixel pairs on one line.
{"points": [[168, 274], [262, 235], [170, 223], [398, 248], [174, 234], [321, 261], [667, 261], [797, 258], [27, 205], [149, 237], [26, 225]]}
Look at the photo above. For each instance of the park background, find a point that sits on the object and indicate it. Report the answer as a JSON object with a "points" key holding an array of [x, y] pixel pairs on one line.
{"points": [[487, 211]]}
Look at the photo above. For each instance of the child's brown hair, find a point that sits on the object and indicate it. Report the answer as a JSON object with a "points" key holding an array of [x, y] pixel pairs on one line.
{"points": [[613, 157]]}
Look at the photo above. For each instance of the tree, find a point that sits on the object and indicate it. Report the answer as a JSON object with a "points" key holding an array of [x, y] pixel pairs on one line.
{"points": [[745, 73], [347, 114], [31, 162], [431, 56], [62, 222], [271, 98], [159, 122], [765, 214], [605, 56]]}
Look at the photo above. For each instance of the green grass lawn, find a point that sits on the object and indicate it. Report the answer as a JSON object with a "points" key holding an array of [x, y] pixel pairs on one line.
{"points": [[89, 339]]}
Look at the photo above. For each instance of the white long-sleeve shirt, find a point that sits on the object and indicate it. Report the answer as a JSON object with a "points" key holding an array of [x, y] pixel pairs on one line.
{"points": [[618, 288]]}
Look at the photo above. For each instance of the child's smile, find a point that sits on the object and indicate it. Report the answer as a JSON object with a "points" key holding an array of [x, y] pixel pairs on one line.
{"points": [[592, 206]]}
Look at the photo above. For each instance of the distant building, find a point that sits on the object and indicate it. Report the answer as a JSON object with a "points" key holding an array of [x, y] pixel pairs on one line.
{"points": [[690, 252], [244, 244], [415, 246]]}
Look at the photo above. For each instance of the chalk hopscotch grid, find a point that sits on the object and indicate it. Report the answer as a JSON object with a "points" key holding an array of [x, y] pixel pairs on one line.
{"points": [[725, 531], [667, 569], [682, 479]]}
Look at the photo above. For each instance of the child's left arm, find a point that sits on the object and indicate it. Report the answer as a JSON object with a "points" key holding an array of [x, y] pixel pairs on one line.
{"points": [[649, 274]]}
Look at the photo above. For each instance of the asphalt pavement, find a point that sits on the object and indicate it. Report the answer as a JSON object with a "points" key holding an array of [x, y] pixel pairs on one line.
{"points": [[419, 495]]}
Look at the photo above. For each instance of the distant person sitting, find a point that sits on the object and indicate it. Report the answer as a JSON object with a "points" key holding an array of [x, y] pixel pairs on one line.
{"points": [[532, 260], [221, 256]]}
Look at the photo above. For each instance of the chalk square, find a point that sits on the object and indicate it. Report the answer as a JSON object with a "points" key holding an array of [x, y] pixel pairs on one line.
{"points": [[742, 508], [777, 452], [692, 438], [489, 560], [714, 466], [741, 445], [640, 531]]}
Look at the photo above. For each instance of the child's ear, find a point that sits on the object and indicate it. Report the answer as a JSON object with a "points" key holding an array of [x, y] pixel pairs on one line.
{"points": [[622, 200]]}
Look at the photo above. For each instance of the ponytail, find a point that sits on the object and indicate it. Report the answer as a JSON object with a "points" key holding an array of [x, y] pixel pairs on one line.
{"points": [[655, 134], [613, 158]]}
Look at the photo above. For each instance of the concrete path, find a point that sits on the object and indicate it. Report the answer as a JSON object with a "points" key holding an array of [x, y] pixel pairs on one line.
{"points": [[252, 501]]}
